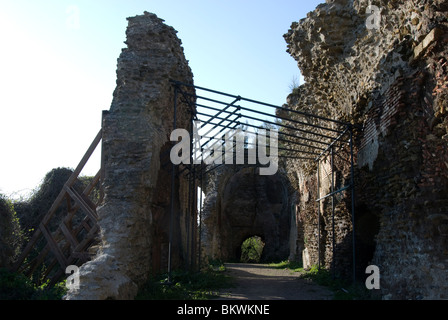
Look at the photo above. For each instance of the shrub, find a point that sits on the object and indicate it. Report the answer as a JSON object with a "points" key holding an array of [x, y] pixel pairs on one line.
{"points": [[252, 249], [15, 286], [185, 286], [11, 234]]}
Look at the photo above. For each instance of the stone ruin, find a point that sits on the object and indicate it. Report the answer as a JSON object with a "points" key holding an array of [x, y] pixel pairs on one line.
{"points": [[241, 204], [134, 215], [389, 81]]}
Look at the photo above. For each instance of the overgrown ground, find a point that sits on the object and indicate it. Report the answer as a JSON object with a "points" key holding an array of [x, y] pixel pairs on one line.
{"points": [[14, 286], [342, 289], [186, 285]]}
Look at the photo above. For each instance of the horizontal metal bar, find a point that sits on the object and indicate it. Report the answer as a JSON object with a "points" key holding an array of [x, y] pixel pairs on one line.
{"points": [[332, 143], [270, 122], [280, 133], [216, 109], [290, 120], [293, 136], [259, 145], [259, 102], [289, 127], [333, 193]]}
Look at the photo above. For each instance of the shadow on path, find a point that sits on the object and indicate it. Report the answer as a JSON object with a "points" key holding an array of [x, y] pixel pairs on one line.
{"points": [[261, 282]]}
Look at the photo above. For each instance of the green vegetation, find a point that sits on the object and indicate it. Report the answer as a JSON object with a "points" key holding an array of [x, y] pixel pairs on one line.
{"points": [[343, 289], [11, 234], [292, 265], [14, 286], [252, 249], [295, 85], [31, 211], [185, 286]]}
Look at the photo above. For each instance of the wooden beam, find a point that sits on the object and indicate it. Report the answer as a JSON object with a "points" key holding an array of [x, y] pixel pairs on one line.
{"points": [[46, 219], [84, 159], [91, 212], [72, 240], [53, 246]]}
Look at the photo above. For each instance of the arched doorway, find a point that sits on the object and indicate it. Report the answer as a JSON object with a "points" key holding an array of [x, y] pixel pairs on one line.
{"points": [[249, 204]]}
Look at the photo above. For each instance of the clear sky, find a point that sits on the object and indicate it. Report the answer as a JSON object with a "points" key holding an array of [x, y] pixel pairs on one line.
{"points": [[58, 61]]}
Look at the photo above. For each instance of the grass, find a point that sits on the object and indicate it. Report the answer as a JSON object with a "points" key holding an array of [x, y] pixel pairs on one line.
{"points": [[186, 285], [15, 286], [292, 265], [342, 289]]}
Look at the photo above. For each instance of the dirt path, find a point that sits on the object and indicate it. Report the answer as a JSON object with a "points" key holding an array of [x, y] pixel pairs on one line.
{"points": [[261, 282]]}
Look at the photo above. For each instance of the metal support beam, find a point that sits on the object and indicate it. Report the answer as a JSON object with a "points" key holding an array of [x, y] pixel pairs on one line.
{"points": [[332, 212], [352, 183], [303, 137], [173, 181], [318, 214]]}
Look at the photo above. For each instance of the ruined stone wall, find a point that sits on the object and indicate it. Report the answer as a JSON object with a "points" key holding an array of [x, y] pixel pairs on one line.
{"points": [[391, 80], [134, 216], [241, 203]]}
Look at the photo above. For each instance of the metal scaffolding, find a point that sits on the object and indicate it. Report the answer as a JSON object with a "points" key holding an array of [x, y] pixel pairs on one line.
{"points": [[301, 136]]}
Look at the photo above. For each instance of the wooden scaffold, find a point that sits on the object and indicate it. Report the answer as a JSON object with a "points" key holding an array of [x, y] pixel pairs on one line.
{"points": [[69, 243]]}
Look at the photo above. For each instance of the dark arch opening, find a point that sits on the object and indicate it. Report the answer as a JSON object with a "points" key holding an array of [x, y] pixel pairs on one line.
{"points": [[255, 205], [367, 227]]}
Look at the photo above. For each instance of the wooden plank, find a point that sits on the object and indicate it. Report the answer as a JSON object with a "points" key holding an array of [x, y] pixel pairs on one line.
{"points": [[68, 235], [53, 246], [73, 177], [93, 183], [84, 159], [89, 203], [54, 206], [80, 201], [86, 225], [42, 228], [83, 245]]}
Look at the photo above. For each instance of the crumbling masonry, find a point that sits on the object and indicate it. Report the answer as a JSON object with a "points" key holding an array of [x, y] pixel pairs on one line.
{"points": [[390, 82], [134, 216]]}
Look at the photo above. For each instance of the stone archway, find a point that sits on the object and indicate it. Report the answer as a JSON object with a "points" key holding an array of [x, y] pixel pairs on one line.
{"points": [[243, 204]]}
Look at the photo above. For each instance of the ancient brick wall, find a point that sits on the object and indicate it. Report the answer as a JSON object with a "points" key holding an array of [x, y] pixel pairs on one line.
{"points": [[241, 203], [135, 214], [391, 80]]}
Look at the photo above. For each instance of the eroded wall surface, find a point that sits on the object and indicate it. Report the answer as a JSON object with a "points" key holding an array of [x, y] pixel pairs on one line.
{"points": [[134, 217], [392, 80], [241, 203]]}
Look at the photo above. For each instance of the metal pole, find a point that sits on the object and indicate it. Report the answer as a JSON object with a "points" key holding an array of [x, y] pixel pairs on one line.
{"points": [[200, 220], [173, 176], [352, 182], [187, 225], [332, 209], [318, 214], [193, 218]]}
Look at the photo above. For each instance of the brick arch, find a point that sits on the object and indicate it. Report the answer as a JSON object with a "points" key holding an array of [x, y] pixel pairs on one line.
{"points": [[249, 204]]}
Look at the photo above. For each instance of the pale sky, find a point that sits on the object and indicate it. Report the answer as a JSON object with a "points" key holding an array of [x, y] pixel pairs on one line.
{"points": [[58, 63]]}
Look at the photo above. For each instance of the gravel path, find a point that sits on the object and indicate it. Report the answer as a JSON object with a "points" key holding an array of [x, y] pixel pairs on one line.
{"points": [[261, 282]]}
